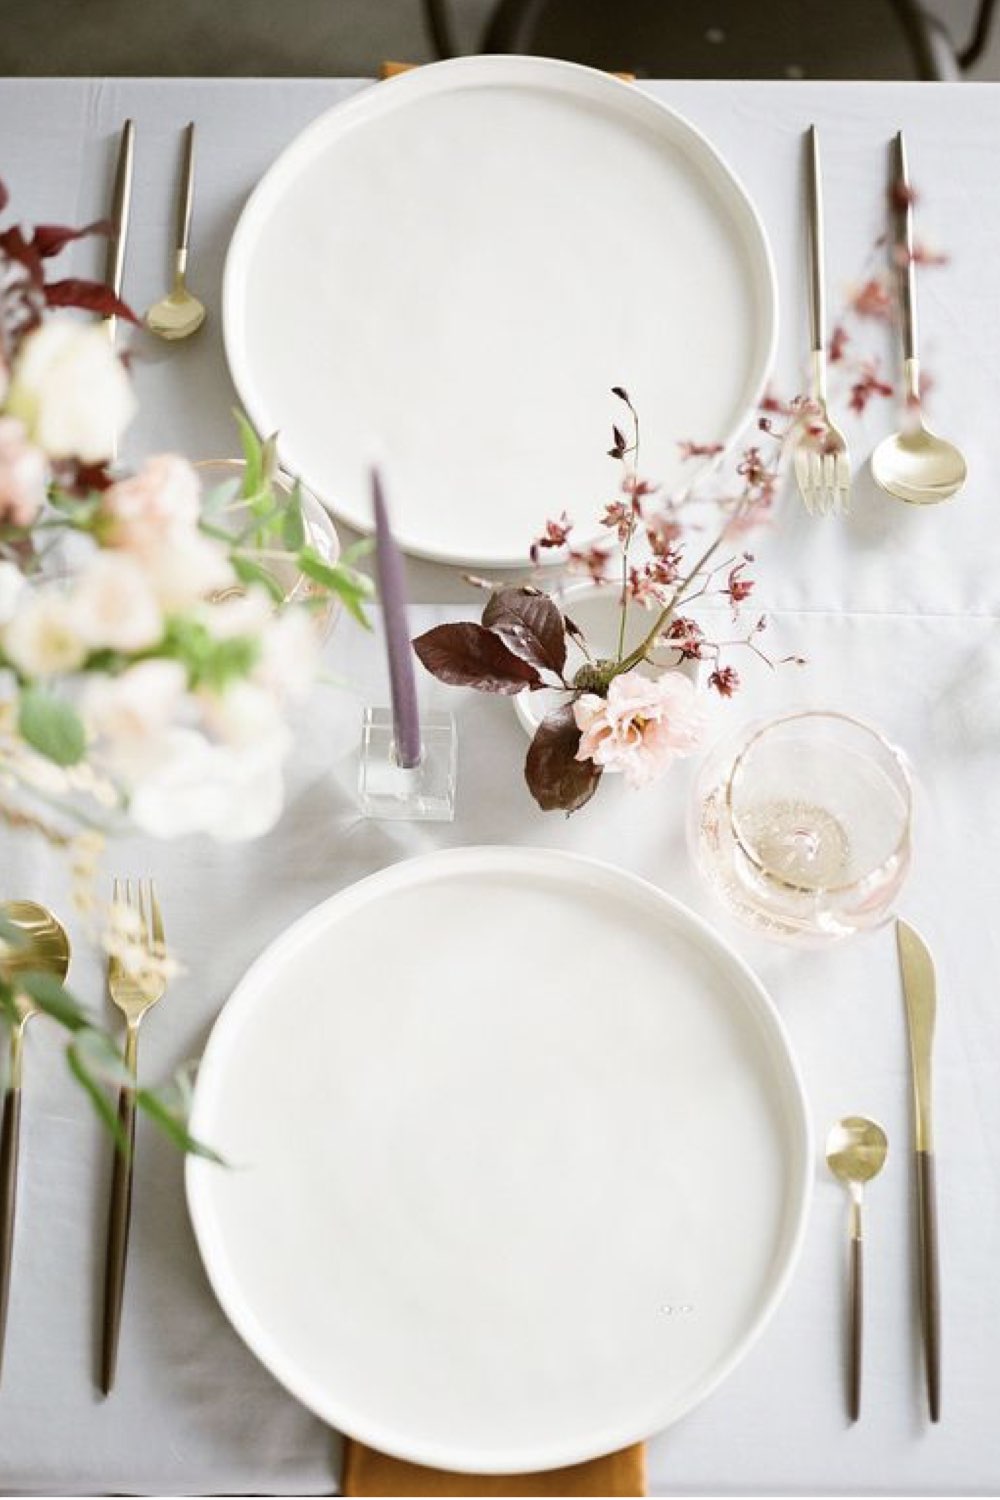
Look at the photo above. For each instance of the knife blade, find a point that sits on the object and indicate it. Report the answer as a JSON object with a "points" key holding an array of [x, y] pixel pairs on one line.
{"points": [[121, 202], [920, 993]]}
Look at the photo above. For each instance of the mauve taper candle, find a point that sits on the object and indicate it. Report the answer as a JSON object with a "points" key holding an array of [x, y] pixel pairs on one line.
{"points": [[391, 577]]}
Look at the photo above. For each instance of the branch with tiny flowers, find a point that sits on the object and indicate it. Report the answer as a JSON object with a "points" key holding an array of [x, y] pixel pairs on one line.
{"points": [[618, 712]]}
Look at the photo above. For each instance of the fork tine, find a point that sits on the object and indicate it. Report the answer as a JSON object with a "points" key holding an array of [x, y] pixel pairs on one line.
{"points": [[114, 963], [829, 484], [144, 916], [817, 479], [159, 939], [802, 478]]}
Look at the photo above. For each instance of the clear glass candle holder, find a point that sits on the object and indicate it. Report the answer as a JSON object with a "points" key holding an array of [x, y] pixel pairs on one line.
{"points": [[424, 793], [803, 826]]}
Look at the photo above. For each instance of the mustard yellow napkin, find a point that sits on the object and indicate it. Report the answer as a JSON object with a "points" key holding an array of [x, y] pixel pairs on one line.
{"points": [[367, 1472], [390, 69]]}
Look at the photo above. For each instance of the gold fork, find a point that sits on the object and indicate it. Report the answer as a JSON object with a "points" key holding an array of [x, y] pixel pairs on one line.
{"points": [[133, 994], [822, 462]]}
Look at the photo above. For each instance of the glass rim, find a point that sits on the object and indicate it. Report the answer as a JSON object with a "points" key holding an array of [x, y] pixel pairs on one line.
{"points": [[288, 482], [895, 754]]}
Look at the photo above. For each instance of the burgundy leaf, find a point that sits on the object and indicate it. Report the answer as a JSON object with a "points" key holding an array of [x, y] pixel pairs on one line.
{"points": [[79, 479], [556, 779], [530, 624], [92, 296], [15, 247], [469, 655], [4, 195], [575, 633], [49, 239]]}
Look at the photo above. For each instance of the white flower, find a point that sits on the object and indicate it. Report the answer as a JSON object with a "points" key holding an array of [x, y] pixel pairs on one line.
{"points": [[129, 713], [290, 654], [246, 614], [149, 508], [115, 605], [70, 390], [42, 639], [246, 715], [197, 787], [11, 587], [187, 569]]}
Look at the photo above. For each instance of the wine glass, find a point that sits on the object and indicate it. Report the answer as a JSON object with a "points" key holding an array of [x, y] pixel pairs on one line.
{"points": [[803, 826], [318, 529]]}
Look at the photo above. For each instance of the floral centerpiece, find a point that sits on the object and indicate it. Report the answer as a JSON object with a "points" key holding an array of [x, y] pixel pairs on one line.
{"points": [[661, 553], [146, 664], [664, 553]]}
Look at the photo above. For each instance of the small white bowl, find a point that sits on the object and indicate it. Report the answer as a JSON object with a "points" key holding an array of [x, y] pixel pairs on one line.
{"points": [[594, 608]]}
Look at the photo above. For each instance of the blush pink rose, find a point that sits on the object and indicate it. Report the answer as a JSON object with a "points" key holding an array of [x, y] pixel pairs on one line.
{"points": [[23, 475], [641, 726], [146, 511]]}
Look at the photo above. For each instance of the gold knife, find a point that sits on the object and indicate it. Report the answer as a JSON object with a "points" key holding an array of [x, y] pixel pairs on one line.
{"points": [[920, 992], [121, 202]]}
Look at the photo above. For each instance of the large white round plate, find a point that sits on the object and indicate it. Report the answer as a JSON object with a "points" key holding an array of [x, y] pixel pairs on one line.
{"points": [[448, 272], [519, 1159]]}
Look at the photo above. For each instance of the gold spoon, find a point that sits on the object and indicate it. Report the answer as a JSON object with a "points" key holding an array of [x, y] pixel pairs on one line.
{"points": [[179, 313], [915, 464], [45, 950], [856, 1149]]}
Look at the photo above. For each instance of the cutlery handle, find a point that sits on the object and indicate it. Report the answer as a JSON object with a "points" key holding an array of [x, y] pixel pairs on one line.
{"points": [[9, 1139], [817, 270], [902, 200], [930, 1298], [119, 1218], [121, 198], [186, 202], [857, 1316]]}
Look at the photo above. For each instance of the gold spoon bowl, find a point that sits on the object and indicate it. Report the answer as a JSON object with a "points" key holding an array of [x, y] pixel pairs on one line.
{"points": [[177, 315], [919, 467]]}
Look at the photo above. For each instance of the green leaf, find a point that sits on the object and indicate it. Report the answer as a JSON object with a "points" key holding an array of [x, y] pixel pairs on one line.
{"points": [[362, 548], [104, 1059], [251, 455], [353, 589], [106, 1112], [55, 999], [269, 461], [293, 526], [52, 726], [248, 571], [210, 663], [168, 1109], [219, 498]]}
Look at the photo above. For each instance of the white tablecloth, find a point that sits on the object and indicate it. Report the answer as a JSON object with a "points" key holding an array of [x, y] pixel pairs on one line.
{"points": [[896, 611]]}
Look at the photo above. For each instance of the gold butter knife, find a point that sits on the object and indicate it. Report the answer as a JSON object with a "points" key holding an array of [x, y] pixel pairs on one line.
{"points": [[121, 202], [920, 992]]}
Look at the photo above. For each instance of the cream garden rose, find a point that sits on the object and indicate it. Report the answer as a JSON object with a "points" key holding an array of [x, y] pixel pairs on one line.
{"points": [[641, 726], [115, 605], [42, 638], [70, 391]]}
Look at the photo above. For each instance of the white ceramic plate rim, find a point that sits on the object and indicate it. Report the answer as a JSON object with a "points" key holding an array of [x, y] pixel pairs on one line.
{"points": [[514, 861], [437, 78]]}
